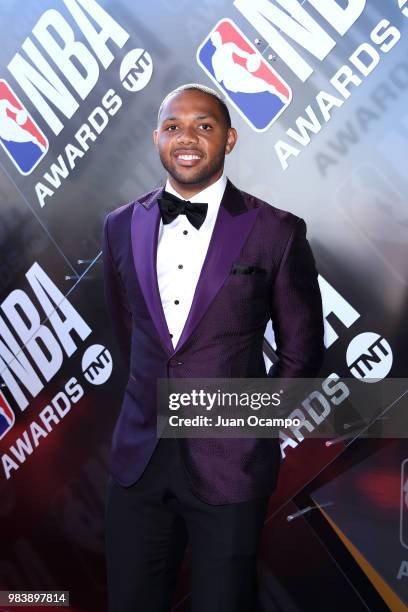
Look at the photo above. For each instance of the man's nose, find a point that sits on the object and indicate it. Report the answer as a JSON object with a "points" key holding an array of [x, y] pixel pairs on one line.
{"points": [[186, 135]]}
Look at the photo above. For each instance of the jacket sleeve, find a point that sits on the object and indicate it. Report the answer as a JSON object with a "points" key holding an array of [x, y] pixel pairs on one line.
{"points": [[116, 300], [296, 310]]}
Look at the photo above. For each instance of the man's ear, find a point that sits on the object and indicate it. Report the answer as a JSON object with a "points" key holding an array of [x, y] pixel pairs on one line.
{"points": [[155, 137], [232, 138]]}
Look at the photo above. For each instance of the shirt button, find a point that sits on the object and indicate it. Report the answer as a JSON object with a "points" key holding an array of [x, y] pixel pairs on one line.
{"points": [[176, 301], [171, 335], [180, 266], [185, 232]]}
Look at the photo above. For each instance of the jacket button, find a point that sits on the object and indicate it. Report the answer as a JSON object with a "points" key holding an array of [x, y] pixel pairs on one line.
{"points": [[175, 362]]}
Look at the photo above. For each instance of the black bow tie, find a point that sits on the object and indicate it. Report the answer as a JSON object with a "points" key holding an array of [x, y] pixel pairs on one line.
{"points": [[171, 207]]}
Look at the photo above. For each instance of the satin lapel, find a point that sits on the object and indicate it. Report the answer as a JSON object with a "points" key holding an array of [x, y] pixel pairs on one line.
{"points": [[144, 235], [231, 229]]}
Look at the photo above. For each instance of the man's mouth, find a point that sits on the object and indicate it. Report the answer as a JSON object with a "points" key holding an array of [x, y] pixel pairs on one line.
{"points": [[189, 159]]}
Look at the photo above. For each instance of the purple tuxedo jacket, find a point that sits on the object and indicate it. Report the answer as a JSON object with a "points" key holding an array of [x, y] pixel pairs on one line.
{"points": [[222, 337]]}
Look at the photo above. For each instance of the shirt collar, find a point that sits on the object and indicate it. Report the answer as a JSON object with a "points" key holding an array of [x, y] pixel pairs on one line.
{"points": [[211, 194]]}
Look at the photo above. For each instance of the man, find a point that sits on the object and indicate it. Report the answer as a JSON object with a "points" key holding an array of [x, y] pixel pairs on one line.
{"points": [[183, 304]]}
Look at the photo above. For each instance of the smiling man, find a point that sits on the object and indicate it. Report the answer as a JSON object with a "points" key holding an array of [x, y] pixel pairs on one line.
{"points": [[194, 270]]}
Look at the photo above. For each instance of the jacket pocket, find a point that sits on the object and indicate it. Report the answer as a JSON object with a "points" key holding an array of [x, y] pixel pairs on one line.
{"points": [[246, 269]]}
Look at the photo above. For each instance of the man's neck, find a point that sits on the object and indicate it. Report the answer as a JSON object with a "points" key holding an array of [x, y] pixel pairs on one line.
{"points": [[188, 191]]}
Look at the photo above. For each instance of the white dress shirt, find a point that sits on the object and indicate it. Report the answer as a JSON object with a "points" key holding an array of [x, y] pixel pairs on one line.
{"points": [[181, 251]]}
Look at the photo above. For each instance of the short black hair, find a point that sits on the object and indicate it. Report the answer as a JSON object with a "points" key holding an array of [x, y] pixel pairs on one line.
{"points": [[207, 90]]}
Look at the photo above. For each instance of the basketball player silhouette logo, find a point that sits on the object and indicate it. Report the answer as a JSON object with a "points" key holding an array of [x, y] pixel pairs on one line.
{"points": [[20, 137], [256, 90], [6, 416]]}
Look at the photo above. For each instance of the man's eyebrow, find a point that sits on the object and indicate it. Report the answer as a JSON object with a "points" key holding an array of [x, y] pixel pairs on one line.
{"points": [[207, 116], [198, 117]]}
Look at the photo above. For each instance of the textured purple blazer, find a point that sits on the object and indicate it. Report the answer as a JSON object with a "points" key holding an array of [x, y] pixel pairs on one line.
{"points": [[222, 337]]}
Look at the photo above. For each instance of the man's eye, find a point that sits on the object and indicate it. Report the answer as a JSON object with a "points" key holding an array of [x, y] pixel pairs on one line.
{"points": [[205, 126], [171, 128]]}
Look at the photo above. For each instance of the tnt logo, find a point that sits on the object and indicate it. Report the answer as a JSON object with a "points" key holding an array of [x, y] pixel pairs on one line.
{"points": [[257, 92], [20, 136], [369, 357], [97, 364], [136, 70], [6, 416]]}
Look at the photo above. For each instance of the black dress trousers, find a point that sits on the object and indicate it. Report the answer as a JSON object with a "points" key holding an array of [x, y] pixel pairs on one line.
{"points": [[147, 528]]}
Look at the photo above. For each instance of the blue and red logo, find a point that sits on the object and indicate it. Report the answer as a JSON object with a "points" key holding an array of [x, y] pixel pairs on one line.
{"points": [[6, 416], [20, 136], [255, 89]]}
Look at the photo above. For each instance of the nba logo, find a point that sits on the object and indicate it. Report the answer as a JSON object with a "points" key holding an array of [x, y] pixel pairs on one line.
{"points": [[20, 137], [6, 416], [257, 92]]}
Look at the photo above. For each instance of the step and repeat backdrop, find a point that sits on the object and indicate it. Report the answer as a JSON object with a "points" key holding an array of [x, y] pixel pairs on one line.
{"points": [[318, 93]]}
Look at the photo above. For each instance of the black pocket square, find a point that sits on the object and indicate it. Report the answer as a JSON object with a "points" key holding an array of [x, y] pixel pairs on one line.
{"points": [[243, 269]]}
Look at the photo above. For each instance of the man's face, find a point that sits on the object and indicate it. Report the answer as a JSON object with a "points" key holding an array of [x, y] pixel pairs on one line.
{"points": [[192, 139]]}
